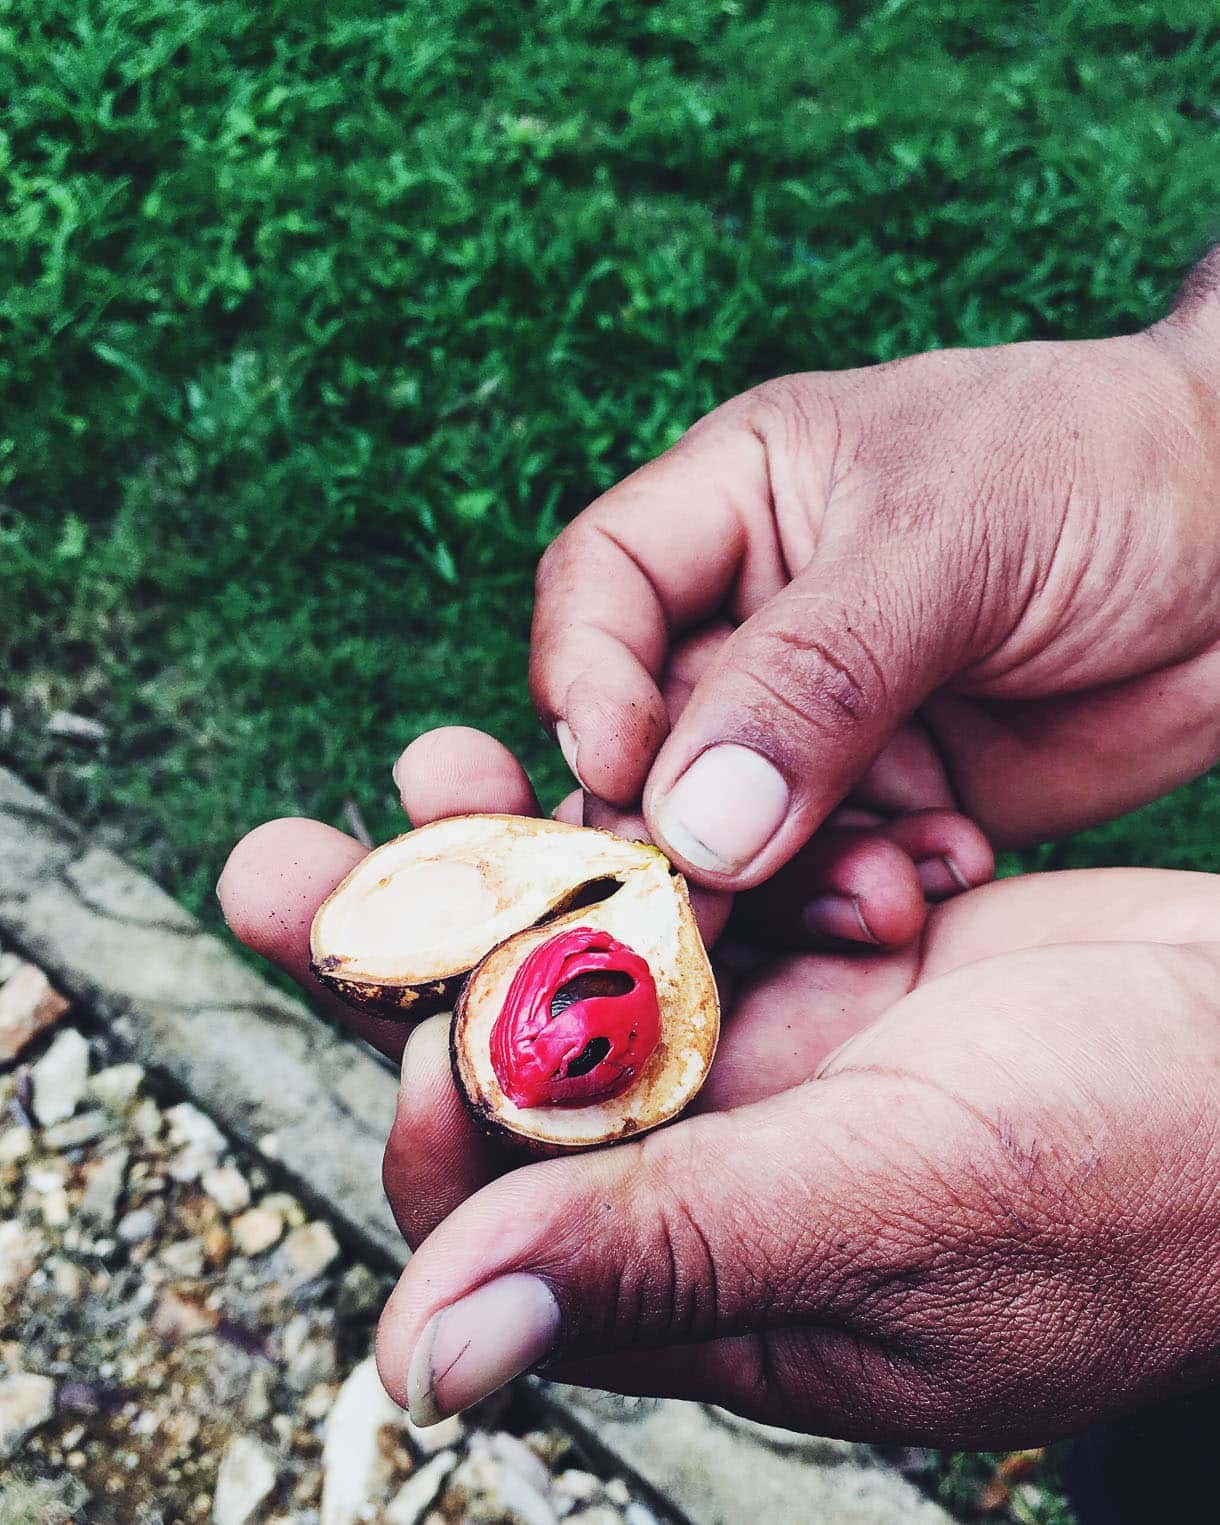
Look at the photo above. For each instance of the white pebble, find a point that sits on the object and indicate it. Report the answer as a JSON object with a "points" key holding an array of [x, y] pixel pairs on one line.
{"points": [[415, 1497], [59, 1078], [227, 1187], [26, 1401], [246, 1477]]}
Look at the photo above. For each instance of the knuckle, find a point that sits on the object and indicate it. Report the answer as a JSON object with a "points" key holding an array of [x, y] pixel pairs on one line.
{"points": [[829, 685], [684, 1291], [556, 563], [798, 404]]}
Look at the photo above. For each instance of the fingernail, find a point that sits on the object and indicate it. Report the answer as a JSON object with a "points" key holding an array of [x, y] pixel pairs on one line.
{"points": [[567, 745], [840, 916], [479, 1343], [397, 771], [940, 876], [724, 809]]}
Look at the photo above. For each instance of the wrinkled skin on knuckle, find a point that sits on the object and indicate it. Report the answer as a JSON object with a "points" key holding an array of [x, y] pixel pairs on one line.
{"points": [[559, 562], [831, 678]]}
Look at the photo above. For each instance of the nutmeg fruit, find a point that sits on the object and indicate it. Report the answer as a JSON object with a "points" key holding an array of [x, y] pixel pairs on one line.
{"points": [[585, 1009]]}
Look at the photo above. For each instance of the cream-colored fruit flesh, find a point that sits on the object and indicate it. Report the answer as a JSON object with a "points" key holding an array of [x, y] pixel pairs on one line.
{"points": [[651, 914], [431, 903]]}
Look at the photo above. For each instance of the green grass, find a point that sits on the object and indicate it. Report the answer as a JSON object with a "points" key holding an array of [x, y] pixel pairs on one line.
{"points": [[317, 321]]}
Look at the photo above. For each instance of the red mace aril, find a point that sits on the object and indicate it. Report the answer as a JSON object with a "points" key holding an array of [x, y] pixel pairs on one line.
{"points": [[548, 1051]]}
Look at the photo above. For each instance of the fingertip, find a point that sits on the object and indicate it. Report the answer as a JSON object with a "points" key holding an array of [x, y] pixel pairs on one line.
{"points": [[458, 770], [879, 891], [847, 886], [950, 852], [613, 730], [571, 809], [276, 877]]}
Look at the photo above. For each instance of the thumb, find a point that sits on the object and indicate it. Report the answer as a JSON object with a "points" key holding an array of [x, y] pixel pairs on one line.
{"points": [[800, 700], [781, 1214]]}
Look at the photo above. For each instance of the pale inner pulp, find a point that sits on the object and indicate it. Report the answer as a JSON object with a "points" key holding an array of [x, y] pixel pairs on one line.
{"points": [[417, 917]]}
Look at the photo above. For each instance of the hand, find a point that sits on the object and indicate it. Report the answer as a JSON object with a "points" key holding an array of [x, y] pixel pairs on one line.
{"points": [[865, 878], [988, 579], [988, 1217]]}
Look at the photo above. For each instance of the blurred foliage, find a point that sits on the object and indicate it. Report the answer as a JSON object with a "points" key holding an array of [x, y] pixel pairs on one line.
{"points": [[316, 321]]}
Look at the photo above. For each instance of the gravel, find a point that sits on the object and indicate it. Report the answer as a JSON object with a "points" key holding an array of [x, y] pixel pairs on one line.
{"points": [[180, 1340]]}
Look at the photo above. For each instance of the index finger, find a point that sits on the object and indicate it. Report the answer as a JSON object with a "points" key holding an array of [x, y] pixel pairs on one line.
{"points": [[656, 555]]}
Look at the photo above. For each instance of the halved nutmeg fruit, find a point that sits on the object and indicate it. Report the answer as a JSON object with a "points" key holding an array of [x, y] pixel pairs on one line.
{"points": [[585, 1007]]}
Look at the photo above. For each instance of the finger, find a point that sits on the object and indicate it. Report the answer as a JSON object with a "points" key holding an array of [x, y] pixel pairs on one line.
{"points": [[275, 879], [853, 886], [765, 1377], [571, 809], [436, 1156], [799, 702], [908, 775], [456, 770], [1040, 769], [723, 1224], [656, 555], [1147, 905], [949, 851]]}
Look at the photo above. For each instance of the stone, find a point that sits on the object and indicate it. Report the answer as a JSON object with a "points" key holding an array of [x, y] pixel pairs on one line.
{"points": [[256, 1230], [20, 1251], [217, 1244], [309, 1249], [227, 1187], [146, 1120], [310, 1354], [255, 1058], [26, 1401], [258, 1395], [576, 1486], [29, 1005], [139, 1224], [417, 1495], [101, 1199], [68, 1279], [639, 1514], [247, 1475], [183, 1257], [16, 1144], [9, 965], [177, 1317], [718, 1469], [286, 1205], [83, 1128], [490, 1488], [56, 1209], [355, 1470], [200, 1141], [59, 1078], [517, 1457], [117, 1086], [361, 1293]]}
